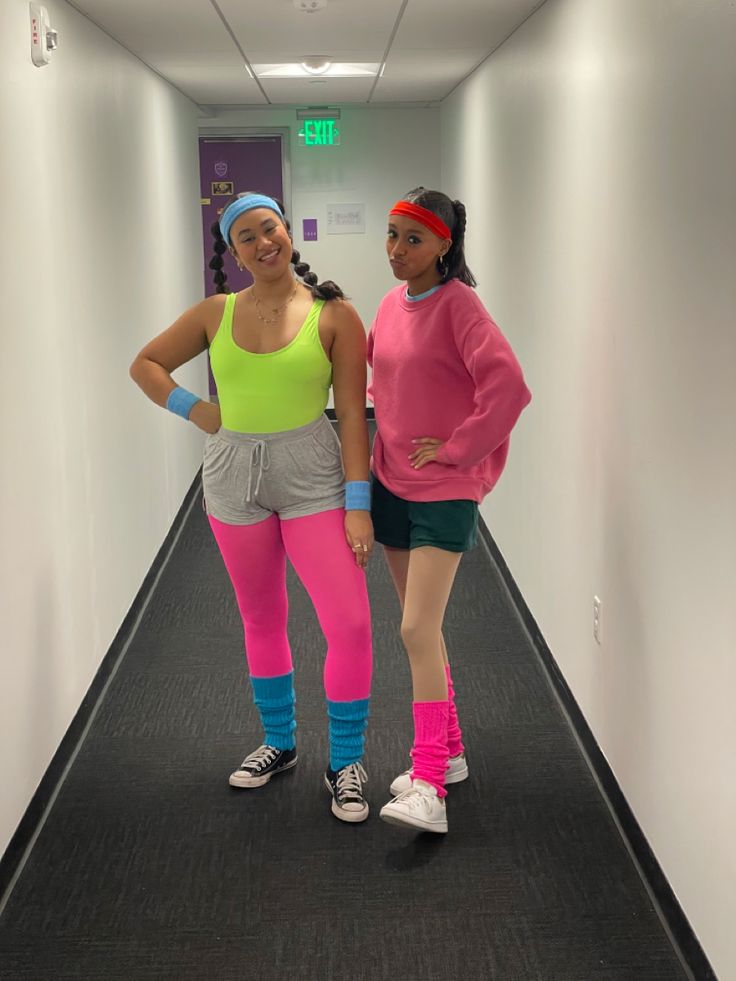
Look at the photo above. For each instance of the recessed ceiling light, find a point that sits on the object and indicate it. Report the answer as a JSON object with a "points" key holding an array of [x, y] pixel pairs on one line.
{"points": [[316, 65], [333, 70]]}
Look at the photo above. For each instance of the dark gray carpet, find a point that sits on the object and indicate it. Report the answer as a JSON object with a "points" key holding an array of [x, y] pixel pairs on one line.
{"points": [[150, 866]]}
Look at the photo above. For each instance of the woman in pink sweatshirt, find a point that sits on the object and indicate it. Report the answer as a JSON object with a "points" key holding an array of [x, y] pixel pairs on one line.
{"points": [[447, 391]]}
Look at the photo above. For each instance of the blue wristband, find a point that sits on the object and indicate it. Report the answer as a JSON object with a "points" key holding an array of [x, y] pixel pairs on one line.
{"points": [[181, 402], [357, 495]]}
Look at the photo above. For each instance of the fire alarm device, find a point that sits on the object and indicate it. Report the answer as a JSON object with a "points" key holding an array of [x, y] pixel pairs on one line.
{"points": [[44, 38]]}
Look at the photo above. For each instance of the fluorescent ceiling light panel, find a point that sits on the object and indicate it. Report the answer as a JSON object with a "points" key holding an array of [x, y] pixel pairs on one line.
{"points": [[335, 70]]}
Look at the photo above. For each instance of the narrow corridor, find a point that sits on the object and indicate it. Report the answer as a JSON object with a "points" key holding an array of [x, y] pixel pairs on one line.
{"points": [[151, 866]]}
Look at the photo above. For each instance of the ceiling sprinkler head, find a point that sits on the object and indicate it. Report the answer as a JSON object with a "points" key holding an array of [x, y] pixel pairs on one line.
{"points": [[310, 6]]}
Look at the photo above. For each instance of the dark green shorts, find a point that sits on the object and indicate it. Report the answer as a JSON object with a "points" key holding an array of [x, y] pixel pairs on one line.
{"points": [[450, 525]]}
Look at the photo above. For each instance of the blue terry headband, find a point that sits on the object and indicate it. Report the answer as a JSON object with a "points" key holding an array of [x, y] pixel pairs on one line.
{"points": [[237, 208]]}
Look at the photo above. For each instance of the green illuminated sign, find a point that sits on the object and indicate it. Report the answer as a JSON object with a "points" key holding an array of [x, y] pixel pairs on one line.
{"points": [[319, 132]]}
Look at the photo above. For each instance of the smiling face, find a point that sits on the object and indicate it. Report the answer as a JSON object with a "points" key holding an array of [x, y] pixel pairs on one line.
{"points": [[260, 241], [413, 252]]}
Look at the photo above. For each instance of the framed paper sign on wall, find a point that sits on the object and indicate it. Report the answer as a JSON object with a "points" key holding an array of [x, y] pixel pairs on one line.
{"points": [[345, 219]]}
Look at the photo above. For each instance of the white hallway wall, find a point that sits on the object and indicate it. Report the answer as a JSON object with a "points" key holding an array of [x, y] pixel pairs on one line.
{"points": [[596, 152], [101, 248]]}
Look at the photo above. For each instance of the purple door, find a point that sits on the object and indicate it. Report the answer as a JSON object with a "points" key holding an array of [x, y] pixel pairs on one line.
{"points": [[227, 167]]}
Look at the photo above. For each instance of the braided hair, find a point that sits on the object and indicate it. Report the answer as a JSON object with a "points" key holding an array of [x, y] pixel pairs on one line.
{"points": [[320, 291], [217, 263], [452, 265]]}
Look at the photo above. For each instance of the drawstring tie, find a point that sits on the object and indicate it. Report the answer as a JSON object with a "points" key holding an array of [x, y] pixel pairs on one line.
{"points": [[259, 457]]}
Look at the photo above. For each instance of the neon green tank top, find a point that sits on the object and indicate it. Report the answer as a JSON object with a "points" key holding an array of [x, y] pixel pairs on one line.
{"points": [[268, 393]]}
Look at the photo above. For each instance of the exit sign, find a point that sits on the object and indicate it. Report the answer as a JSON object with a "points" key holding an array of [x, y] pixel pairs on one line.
{"points": [[319, 132]]}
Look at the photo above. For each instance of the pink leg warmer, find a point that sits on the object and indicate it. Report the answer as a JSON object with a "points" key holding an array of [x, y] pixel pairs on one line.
{"points": [[454, 733], [429, 754]]}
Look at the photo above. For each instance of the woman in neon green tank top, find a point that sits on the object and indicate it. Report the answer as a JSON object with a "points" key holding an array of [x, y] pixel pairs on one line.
{"points": [[276, 480]]}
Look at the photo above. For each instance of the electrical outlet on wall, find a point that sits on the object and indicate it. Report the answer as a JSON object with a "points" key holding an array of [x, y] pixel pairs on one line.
{"points": [[597, 619]]}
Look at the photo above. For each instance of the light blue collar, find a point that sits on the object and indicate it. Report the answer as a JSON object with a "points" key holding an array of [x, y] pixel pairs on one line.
{"points": [[422, 296]]}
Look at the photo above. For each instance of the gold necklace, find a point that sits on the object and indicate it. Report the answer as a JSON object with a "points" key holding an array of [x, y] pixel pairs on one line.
{"points": [[275, 310]]}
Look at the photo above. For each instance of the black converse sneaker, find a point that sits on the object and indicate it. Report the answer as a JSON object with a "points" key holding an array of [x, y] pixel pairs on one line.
{"points": [[258, 767], [346, 787]]}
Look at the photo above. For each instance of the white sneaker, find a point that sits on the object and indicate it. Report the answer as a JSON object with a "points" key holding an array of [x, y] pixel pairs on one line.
{"points": [[418, 807], [457, 771]]}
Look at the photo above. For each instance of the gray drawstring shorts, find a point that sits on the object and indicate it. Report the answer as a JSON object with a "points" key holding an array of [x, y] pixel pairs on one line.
{"points": [[247, 477]]}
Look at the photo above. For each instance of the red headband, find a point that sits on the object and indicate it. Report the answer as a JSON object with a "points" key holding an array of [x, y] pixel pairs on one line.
{"points": [[423, 216]]}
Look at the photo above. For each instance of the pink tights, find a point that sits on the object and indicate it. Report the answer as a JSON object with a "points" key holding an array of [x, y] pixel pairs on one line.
{"points": [[255, 558]]}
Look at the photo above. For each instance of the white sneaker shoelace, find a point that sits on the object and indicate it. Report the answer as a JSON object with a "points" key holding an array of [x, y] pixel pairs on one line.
{"points": [[260, 758], [416, 800], [350, 782]]}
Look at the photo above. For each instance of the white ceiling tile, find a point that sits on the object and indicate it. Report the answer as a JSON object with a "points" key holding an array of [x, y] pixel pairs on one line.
{"points": [[226, 86], [433, 25], [408, 91], [289, 91], [152, 30], [278, 26], [412, 65]]}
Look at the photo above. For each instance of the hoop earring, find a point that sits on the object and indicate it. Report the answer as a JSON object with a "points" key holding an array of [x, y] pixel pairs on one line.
{"points": [[442, 266]]}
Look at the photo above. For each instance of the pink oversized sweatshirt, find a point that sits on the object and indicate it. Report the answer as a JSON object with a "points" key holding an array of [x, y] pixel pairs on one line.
{"points": [[442, 368]]}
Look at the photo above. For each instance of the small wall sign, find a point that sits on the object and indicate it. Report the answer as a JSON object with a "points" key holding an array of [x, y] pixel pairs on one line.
{"points": [[345, 219]]}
